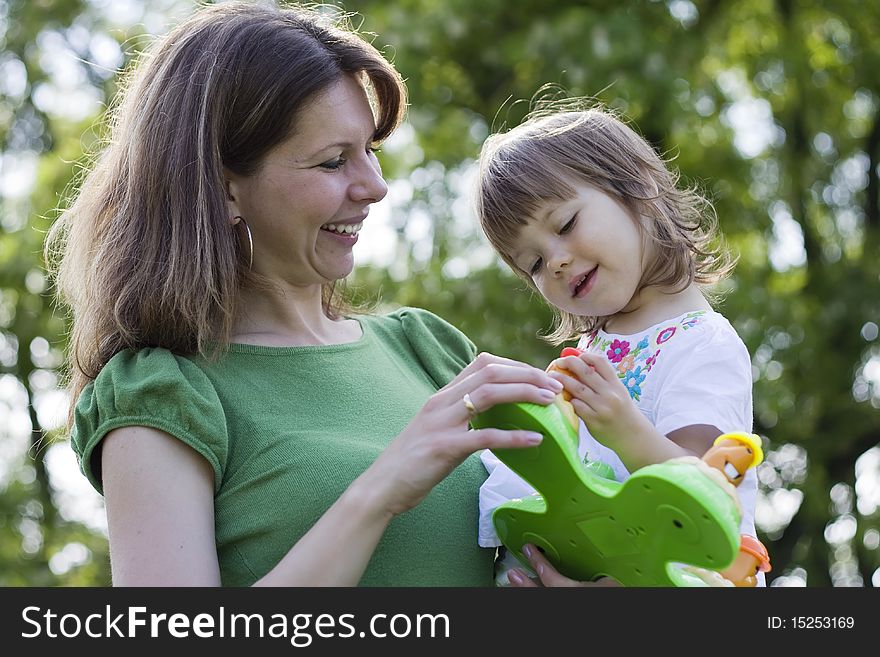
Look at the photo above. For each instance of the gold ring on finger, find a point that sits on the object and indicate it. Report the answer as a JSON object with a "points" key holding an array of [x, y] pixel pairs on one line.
{"points": [[469, 404]]}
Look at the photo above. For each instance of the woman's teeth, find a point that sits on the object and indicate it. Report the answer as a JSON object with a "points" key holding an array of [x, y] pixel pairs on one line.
{"points": [[345, 229]]}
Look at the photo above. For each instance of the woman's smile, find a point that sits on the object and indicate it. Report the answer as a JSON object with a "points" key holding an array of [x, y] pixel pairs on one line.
{"points": [[344, 232]]}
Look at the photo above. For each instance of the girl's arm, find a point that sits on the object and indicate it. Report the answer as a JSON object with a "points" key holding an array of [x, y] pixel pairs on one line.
{"points": [[159, 492]]}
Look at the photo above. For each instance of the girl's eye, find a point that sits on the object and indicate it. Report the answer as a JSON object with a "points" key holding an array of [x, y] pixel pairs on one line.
{"points": [[332, 165], [567, 227], [535, 267]]}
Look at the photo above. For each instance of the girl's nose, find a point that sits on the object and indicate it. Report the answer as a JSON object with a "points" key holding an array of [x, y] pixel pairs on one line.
{"points": [[558, 263]]}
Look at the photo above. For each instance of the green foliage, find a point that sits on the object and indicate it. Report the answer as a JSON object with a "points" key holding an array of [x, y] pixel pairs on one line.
{"points": [[683, 71]]}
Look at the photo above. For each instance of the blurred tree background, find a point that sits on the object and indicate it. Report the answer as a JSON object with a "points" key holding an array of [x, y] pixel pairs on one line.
{"points": [[771, 106]]}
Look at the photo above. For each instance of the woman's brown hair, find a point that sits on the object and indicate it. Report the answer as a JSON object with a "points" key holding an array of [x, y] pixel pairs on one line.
{"points": [[145, 255]]}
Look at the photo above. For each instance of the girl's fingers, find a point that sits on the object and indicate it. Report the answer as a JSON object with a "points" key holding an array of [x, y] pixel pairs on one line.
{"points": [[583, 410], [576, 367], [579, 386], [599, 364]]}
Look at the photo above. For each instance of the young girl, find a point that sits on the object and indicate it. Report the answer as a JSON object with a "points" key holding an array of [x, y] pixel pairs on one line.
{"points": [[585, 210]]}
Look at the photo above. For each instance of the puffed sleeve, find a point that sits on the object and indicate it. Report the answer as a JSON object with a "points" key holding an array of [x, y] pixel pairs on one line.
{"points": [[442, 349], [709, 381], [150, 388]]}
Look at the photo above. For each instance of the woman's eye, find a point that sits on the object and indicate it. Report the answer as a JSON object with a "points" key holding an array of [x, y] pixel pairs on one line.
{"points": [[567, 227], [372, 150], [535, 267], [333, 164]]}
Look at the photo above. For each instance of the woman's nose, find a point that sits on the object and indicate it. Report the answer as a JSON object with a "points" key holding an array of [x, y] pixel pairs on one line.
{"points": [[369, 185]]}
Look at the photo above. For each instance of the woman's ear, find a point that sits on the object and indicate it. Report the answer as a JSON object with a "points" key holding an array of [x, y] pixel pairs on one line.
{"points": [[230, 187]]}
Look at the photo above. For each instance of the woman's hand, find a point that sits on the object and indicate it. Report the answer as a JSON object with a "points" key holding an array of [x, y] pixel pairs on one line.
{"points": [[438, 438], [547, 574]]}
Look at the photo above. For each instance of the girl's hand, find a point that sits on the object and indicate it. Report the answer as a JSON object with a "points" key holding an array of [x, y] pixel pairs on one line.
{"points": [[599, 398], [438, 438], [547, 574]]}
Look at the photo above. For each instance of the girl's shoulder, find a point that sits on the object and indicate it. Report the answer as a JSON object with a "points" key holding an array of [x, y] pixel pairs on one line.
{"points": [[699, 325], [700, 341]]}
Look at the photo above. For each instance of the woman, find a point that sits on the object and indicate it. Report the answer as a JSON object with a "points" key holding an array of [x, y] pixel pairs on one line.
{"points": [[244, 425]]}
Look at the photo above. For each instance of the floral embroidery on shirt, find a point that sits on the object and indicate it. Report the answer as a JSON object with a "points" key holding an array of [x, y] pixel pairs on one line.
{"points": [[633, 380], [665, 334], [619, 349], [634, 363]]}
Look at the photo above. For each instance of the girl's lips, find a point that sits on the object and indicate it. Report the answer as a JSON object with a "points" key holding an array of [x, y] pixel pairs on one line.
{"points": [[582, 289]]}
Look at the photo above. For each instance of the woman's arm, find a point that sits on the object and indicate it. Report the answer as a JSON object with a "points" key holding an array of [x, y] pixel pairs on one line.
{"points": [[159, 496], [159, 492]]}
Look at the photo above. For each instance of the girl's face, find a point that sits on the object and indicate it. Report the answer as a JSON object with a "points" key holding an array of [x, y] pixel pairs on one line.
{"points": [[312, 193], [585, 255]]}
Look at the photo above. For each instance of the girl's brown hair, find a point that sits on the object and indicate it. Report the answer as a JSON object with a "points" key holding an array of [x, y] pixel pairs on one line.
{"points": [[145, 255], [552, 151]]}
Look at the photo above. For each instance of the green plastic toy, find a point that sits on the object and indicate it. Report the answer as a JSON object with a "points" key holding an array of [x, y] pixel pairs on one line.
{"points": [[642, 532]]}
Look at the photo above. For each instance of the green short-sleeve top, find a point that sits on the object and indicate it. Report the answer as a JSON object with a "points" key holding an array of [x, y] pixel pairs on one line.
{"points": [[287, 429]]}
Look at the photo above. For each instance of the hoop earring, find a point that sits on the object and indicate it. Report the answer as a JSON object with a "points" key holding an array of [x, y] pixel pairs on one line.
{"points": [[250, 241]]}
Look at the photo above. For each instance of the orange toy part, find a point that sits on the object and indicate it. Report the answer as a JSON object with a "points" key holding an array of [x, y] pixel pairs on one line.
{"points": [[756, 548], [568, 351], [751, 559], [733, 454], [563, 399]]}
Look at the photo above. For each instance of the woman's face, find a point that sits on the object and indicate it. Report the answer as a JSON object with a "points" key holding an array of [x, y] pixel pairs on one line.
{"points": [[307, 202]]}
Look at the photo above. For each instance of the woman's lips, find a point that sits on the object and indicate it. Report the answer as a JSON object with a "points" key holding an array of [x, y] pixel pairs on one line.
{"points": [[581, 285]]}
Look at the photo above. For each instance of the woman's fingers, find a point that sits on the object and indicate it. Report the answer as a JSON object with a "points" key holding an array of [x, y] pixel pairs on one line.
{"points": [[488, 368], [549, 576], [491, 394], [499, 439], [497, 381], [518, 578], [484, 359]]}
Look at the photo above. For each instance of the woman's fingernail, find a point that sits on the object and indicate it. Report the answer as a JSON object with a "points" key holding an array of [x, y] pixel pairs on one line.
{"points": [[556, 385], [548, 395], [527, 550], [515, 577], [533, 438]]}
